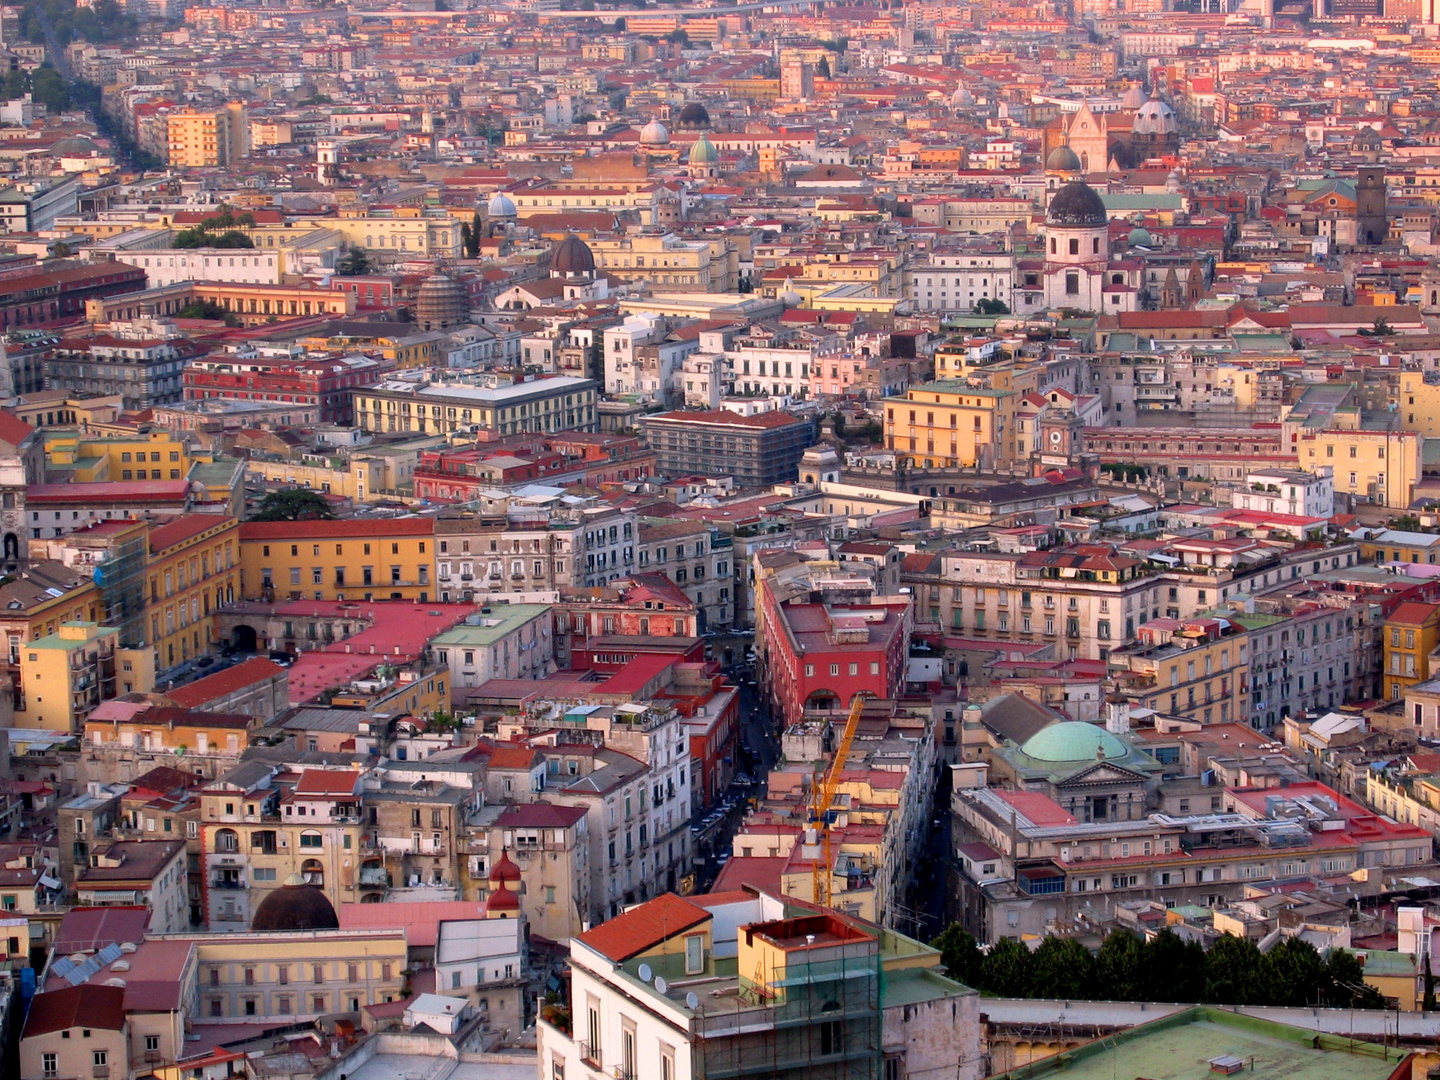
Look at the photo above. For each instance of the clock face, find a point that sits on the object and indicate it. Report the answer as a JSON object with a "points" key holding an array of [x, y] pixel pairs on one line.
{"points": [[1055, 437]]}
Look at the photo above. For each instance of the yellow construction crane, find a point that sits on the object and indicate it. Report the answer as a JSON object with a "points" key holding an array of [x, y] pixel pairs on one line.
{"points": [[823, 798]]}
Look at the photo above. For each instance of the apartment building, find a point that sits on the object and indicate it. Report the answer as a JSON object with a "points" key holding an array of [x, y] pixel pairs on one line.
{"points": [[948, 424], [547, 846], [526, 548], [696, 556], [193, 571], [1031, 867], [504, 641], [415, 815], [559, 403], [1409, 636], [757, 451], [208, 138], [370, 559], [790, 991], [957, 282], [1196, 668]]}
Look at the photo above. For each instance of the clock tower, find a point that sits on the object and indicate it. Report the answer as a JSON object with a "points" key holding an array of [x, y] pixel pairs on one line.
{"points": [[1062, 439]]}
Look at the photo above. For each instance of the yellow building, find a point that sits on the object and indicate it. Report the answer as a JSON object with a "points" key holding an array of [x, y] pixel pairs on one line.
{"points": [[384, 559], [1198, 669], [42, 617], [406, 231], [208, 138], [51, 408], [948, 424], [152, 455], [287, 978], [257, 836], [1409, 636], [667, 262], [64, 675], [1418, 404], [178, 731], [1379, 466], [192, 572]]}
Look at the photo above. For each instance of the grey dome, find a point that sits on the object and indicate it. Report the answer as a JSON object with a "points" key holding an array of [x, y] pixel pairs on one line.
{"points": [[441, 302], [74, 145], [1062, 159], [1134, 98], [501, 205], [654, 134], [1077, 206], [1155, 117]]}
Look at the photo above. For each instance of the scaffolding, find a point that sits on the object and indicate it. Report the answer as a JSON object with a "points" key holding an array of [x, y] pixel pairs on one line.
{"points": [[815, 1014], [120, 577]]}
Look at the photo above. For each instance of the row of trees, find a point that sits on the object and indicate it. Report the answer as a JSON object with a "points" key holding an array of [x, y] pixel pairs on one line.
{"points": [[1164, 968], [102, 21], [220, 230], [46, 85], [471, 234]]}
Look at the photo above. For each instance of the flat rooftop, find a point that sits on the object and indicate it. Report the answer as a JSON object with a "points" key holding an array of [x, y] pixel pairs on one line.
{"points": [[1180, 1047]]}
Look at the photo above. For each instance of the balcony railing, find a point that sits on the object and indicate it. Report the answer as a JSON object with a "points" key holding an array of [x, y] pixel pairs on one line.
{"points": [[590, 1054]]}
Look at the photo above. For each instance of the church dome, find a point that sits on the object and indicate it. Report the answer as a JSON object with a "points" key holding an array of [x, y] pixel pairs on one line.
{"points": [[295, 906], [1073, 740], [1077, 206], [1140, 237], [962, 97], [1155, 117], [502, 900], [1062, 159], [74, 146], [1134, 98], [654, 134], [572, 256], [501, 205], [704, 152], [440, 302], [694, 115], [505, 868]]}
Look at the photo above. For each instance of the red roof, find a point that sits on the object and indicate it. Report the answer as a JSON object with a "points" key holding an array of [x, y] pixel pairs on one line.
{"points": [[420, 919], [87, 1004], [109, 491], [90, 929], [223, 683], [539, 815], [328, 530], [327, 782], [1040, 809], [13, 430], [773, 419], [644, 927], [178, 530]]}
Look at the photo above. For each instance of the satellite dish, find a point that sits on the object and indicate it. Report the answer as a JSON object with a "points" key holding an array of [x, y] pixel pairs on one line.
{"points": [[645, 973], [661, 984], [691, 1001]]}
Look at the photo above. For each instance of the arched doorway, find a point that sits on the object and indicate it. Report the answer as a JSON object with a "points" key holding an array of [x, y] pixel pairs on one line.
{"points": [[822, 701], [243, 639], [313, 872]]}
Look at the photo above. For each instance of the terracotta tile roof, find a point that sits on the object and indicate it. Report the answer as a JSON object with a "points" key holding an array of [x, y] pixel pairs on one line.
{"points": [[644, 927], [222, 683], [182, 528], [323, 530], [60, 1010]]}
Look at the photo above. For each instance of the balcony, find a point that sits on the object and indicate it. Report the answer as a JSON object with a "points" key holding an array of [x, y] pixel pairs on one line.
{"points": [[229, 883], [589, 1053]]}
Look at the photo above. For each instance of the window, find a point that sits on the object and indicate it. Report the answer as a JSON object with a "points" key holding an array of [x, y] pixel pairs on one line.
{"points": [[101, 1058], [311, 840], [49, 1065]]}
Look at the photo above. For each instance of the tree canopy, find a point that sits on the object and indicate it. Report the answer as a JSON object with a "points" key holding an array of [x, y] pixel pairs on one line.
{"points": [[1164, 968], [293, 504]]}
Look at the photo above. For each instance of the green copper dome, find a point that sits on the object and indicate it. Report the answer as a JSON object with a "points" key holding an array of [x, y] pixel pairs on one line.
{"points": [[1073, 740], [703, 152]]}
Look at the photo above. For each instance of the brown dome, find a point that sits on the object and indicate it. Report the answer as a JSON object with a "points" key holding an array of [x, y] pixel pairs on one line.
{"points": [[572, 256], [295, 906], [441, 302], [502, 900], [694, 115]]}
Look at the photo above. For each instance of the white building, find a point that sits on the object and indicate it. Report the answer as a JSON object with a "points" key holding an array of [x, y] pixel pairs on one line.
{"points": [[959, 281], [1288, 491], [760, 986], [236, 266], [1078, 270]]}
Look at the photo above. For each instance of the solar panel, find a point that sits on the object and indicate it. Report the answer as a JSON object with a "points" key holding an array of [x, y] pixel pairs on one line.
{"points": [[62, 966], [109, 954]]}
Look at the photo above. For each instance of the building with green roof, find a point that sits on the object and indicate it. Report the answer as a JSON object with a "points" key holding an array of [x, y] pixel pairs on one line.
{"points": [[502, 641], [1095, 774]]}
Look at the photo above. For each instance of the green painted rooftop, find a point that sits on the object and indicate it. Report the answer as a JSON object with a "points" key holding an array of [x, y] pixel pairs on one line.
{"points": [[1180, 1047], [1074, 740], [503, 619]]}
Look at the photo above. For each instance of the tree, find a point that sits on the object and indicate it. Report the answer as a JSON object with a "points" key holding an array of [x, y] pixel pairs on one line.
{"points": [[465, 237], [1296, 975], [1233, 972], [1006, 970], [15, 85], [1347, 988], [1174, 968], [60, 250], [353, 263], [988, 305], [960, 954], [1120, 966], [823, 68], [620, 25], [293, 504], [477, 233], [47, 87], [1062, 968], [1380, 328], [1428, 1003]]}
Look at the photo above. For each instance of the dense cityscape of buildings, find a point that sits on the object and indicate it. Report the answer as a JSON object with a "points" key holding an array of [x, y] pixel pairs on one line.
{"points": [[572, 541]]}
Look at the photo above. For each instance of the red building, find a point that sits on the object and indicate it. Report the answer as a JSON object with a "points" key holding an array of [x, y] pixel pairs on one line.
{"points": [[53, 297], [324, 382], [819, 655], [606, 627], [565, 459]]}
